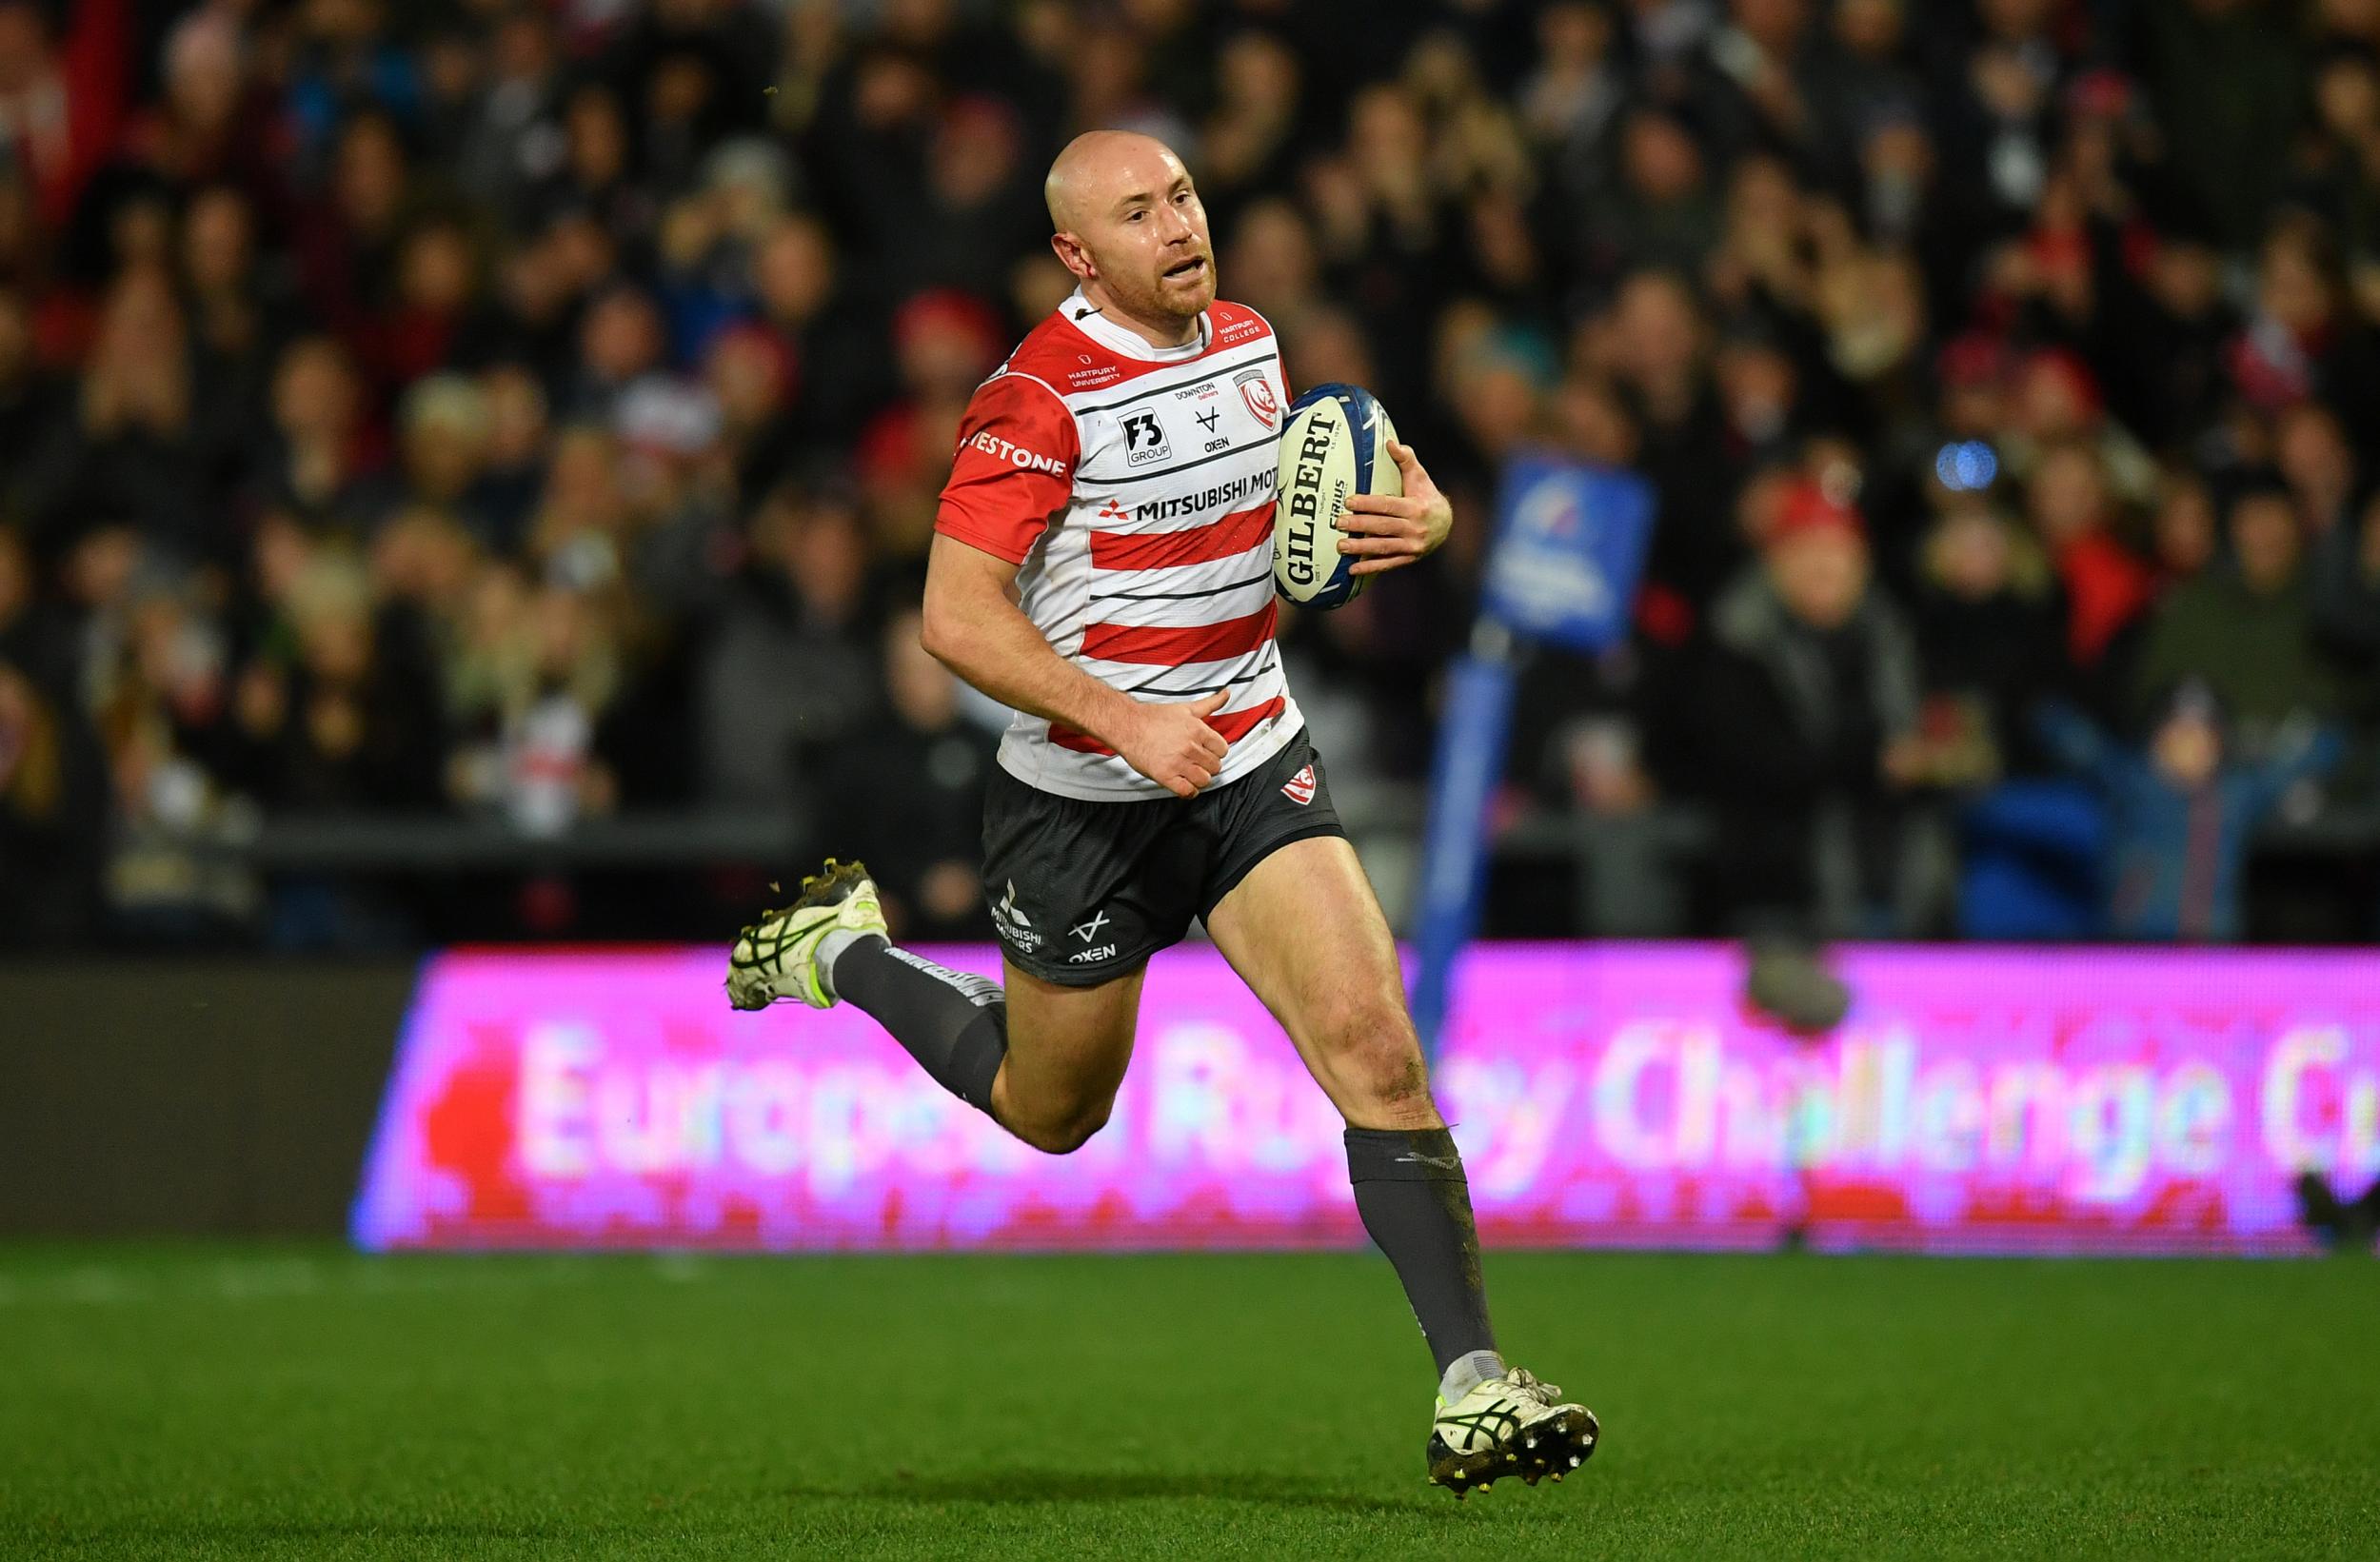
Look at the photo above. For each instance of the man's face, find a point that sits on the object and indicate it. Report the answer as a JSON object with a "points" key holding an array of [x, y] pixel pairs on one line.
{"points": [[2188, 750], [1820, 573], [1970, 552], [2264, 535], [794, 270], [1141, 229]]}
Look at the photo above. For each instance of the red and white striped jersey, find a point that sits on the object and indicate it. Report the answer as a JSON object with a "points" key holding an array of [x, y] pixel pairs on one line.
{"points": [[1134, 486]]}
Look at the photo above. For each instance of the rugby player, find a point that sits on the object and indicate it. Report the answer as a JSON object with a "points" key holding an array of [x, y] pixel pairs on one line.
{"points": [[1102, 564]]}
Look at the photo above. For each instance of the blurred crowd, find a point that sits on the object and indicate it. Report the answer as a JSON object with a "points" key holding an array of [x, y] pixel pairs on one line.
{"points": [[532, 413]]}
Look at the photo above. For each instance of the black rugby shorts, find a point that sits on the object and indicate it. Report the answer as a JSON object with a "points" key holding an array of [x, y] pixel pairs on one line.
{"points": [[1083, 893]]}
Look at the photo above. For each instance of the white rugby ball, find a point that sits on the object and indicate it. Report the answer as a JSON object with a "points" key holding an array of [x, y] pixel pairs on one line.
{"points": [[1334, 445]]}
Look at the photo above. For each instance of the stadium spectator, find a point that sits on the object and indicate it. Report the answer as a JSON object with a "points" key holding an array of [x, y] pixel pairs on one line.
{"points": [[1808, 711], [2245, 629], [2227, 82], [913, 780], [315, 460], [343, 719], [129, 448], [52, 817], [2106, 584], [587, 371], [2180, 814], [1988, 637], [1250, 138], [61, 100], [832, 334], [788, 668]]}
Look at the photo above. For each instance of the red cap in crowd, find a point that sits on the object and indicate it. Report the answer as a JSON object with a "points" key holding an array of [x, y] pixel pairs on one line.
{"points": [[1805, 507], [2072, 374], [947, 309], [1971, 360], [765, 345]]}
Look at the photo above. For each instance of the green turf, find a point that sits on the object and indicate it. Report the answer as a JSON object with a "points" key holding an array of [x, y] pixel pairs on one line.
{"points": [[307, 1403]]}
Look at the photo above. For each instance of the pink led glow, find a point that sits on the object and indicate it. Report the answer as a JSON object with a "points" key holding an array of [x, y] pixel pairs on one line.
{"points": [[1975, 1100]]}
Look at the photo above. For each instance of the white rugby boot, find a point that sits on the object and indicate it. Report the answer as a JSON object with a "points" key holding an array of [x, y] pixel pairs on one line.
{"points": [[1512, 1424], [776, 958]]}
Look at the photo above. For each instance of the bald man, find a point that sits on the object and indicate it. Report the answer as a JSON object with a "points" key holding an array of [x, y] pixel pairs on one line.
{"points": [[1102, 564]]}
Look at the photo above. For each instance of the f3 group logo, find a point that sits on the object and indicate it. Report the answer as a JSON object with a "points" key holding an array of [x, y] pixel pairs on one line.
{"points": [[1144, 440]]}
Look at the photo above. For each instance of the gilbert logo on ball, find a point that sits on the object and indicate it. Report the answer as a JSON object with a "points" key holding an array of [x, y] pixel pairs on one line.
{"points": [[1334, 445]]}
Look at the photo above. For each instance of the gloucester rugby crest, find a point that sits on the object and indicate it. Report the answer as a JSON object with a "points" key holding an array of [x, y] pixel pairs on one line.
{"points": [[1257, 392]]}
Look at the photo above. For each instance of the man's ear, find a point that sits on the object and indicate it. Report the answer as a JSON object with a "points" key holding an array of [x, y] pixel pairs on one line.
{"points": [[1073, 255]]}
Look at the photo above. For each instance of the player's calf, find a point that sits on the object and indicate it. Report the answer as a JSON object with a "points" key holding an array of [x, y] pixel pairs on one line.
{"points": [[1055, 1129], [831, 945]]}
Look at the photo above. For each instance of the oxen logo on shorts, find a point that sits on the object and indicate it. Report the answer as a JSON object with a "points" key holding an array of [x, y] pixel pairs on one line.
{"points": [[1300, 787], [1257, 392]]}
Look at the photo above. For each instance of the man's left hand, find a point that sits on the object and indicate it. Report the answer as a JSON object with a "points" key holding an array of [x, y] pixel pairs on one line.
{"points": [[1388, 531]]}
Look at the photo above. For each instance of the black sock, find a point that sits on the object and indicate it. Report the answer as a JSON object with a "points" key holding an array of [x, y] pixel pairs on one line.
{"points": [[1414, 1199], [955, 1025]]}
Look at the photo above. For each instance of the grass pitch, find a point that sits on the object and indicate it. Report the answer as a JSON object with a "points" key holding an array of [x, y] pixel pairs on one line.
{"points": [[309, 1403]]}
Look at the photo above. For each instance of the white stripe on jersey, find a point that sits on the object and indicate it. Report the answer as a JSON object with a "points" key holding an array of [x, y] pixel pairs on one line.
{"points": [[1224, 589]]}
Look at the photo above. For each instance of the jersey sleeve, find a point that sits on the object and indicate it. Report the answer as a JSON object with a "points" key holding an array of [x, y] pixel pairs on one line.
{"points": [[1014, 469]]}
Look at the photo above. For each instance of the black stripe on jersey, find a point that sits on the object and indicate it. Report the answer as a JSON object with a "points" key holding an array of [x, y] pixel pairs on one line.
{"points": [[1176, 385], [1165, 471], [1180, 596], [1151, 688]]}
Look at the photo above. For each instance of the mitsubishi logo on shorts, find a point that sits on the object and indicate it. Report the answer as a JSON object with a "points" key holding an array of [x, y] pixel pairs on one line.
{"points": [[1007, 907], [1087, 931], [1014, 926], [1300, 787]]}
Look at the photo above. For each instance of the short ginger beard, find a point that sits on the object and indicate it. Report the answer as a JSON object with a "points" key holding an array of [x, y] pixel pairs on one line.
{"points": [[1152, 300]]}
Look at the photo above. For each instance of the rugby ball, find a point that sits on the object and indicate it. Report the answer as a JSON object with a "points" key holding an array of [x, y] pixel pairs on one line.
{"points": [[1334, 445]]}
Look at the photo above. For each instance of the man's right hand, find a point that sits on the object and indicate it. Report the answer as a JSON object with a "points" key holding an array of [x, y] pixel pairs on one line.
{"points": [[1173, 745]]}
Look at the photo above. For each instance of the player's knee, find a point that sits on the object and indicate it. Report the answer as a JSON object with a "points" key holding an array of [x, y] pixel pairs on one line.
{"points": [[1397, 1083], [1377, 1058]]}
